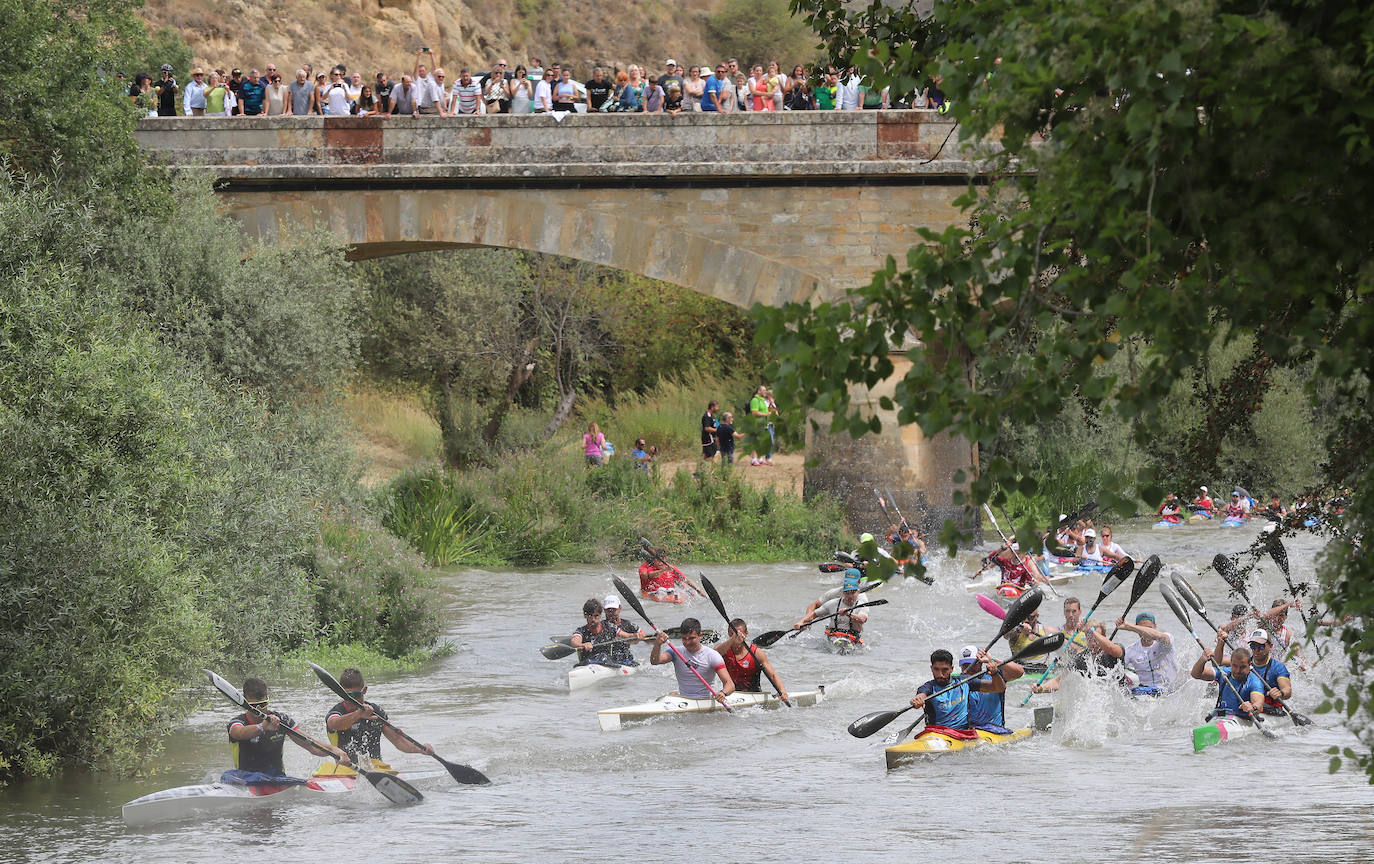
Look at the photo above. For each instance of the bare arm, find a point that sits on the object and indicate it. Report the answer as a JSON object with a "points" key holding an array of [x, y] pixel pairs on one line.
{"points": [[1200, 670], [767, 666]]}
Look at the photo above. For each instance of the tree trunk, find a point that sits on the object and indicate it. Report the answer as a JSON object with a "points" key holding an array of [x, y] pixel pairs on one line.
{"points": [[448, 428], [519, 374], [561, 415]]}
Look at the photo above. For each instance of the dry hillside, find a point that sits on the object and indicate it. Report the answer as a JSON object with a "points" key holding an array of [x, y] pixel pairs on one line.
{"points": [[371, 35]]}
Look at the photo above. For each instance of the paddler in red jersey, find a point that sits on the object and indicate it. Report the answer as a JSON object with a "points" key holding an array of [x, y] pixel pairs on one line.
{"points": [[1169, 510], [1008, 559], [659, 580], [746, 662], [1203, 504]]}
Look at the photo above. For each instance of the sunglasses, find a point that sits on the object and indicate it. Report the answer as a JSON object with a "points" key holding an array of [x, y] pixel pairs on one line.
{"points": [[1258, 646], [258, 706]]}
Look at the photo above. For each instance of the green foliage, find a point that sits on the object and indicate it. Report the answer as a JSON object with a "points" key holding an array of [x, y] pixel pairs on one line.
{"points": [[1143, 200], [366, 660], [541, 508], [757, 31], [667, 415]]}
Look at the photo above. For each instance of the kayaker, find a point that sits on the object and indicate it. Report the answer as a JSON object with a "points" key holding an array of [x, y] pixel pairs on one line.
{"points": [[1111, 551], [850, 596], [1027, 632], [358, 731], [1275, 621], [1090, 552], [693, 655], [659, 580], [1278, 684], [1238, 508], [1245, 695], [1152, 658], [620, 651], [591, 639], [1203, 504], [1088, 646], [987, 708], [904, 533], [1074, 626], [1009, 560], [1058, 543], [256, 736], [948, 712], [1169, 510], [746, 669], [1275, 512]]}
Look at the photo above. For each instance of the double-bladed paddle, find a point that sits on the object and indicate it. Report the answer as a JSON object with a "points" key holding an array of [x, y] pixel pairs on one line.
{"points": [[1143, 580], [1024, 605], [766, 639], [559, 650], [1190, 596], [1024, 560], [464, 774], [1279, 553], [638, 607], [1181, 612], [1115, 577], [656, 554], [1226, 568], [720, 607], [394, 788]]}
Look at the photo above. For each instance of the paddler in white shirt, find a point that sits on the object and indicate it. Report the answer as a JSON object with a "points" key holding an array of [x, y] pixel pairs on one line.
{"points": [[1089, 552], [620, 651], [850, 596], [691, 660], [1111, 551], [1152, 658]]}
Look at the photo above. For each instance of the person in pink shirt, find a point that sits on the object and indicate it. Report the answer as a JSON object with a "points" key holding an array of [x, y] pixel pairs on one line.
{"points": [[593, 445]]}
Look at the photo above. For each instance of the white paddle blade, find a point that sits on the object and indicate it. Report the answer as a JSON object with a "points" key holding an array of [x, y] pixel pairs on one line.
{"points": [[229, 690]]}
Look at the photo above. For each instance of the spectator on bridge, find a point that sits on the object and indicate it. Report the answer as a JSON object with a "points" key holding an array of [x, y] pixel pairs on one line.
{"points": [[872, 98], [321, 94], [496, 89], [761, 90], [693, 89], [632, 94], [354, 84], [367, 103], [269, 72], [847, 91], [824, 96], [403, 98], [777, 84], [300, 95], [935, 97], [713, 91], [336, 96], [276, 96], [653, 97], [251, 95], [466, 96], [166, 88], [670, 75], [799, 96], [219, 101], [543, 93], [672, 100], [194, 100], [521, 90], [142, 94], [382, 91], [235, 84], [564, 91], [599, 91], [429, 91], [536, 70]]}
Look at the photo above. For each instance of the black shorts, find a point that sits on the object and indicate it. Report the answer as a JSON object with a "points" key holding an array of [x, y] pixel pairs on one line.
{"points": [[708, 451]]}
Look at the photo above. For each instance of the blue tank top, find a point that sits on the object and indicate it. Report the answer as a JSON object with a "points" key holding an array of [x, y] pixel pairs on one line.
{"points": [[1227, 701], [986, 709], [948, 709]]}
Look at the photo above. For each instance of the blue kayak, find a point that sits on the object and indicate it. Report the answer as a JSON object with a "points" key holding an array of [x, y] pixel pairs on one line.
{"points": [[1232, 523], [1165, 523], [1092, 568]]}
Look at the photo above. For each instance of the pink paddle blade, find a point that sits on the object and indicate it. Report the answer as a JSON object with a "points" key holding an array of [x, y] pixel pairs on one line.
{"points": [[992, 607]]}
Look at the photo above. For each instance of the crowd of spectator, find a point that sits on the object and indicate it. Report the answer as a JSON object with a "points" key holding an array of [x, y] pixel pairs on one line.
{"points": [[525, 89]]}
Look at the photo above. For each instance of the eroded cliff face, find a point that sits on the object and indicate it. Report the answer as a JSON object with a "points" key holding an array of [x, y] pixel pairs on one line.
{"points": [[373, 35]]}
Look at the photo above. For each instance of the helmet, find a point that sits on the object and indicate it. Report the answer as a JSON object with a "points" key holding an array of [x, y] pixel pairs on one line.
{"points": [[865, 537], [166, 67]]}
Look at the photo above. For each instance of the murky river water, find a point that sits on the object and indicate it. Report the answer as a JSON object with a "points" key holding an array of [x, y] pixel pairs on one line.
{"points": [[1115, 779]]}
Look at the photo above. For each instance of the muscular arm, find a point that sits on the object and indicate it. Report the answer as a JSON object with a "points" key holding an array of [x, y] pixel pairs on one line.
{"points": [[1101, 643], [727, 686], [1201, 671], [767, 666]]}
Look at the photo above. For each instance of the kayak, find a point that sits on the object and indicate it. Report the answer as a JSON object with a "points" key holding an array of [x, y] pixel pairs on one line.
{"points": [[935, 744], [1221, 729], [1232, 522], [582, 677], [843, 642], [994, 583], [666, 598], [219, 799], [1165, 523], [1200, 516], [612, 719], [1090, 567]]}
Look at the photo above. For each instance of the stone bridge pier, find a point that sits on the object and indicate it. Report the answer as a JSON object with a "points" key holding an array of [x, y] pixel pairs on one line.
{"points": [[748, 208]]}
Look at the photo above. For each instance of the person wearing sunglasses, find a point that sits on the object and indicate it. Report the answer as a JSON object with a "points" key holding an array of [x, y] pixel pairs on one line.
{"points": [[1278, 684], [358, 731], [256, 736]]}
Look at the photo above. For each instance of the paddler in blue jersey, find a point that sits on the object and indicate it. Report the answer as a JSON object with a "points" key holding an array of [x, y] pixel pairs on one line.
{"points": [[1271, 671], [948, 713], [1244, 697], [986, 708]]}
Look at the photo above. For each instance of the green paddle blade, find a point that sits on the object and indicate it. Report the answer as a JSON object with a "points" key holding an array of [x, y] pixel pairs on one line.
{"points": [[1205, 736]]}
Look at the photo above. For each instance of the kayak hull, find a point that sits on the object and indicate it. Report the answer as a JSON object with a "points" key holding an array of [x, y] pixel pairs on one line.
{"points": [[1232, 523], [996, 584], [665, 598], [841, 642], [612, 719], [582, 677], [936, 744], [1220, 730]]}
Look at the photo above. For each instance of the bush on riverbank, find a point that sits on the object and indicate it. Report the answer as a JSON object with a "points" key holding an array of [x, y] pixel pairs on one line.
{"points": [[543, 507]]}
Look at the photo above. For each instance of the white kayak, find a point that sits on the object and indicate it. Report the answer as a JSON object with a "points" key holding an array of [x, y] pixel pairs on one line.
{"points": [[204, 800], [1220, 730], [614, 718], [581, 677]]}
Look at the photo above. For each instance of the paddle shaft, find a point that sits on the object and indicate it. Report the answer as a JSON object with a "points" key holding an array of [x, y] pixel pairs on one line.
{"points": [[1279, 553], [795, 630], [1143, 580], [895, 508], [1022, 560], [720, 607], [657, 555], [1069, 641], [635, 604], [1255, 716]]}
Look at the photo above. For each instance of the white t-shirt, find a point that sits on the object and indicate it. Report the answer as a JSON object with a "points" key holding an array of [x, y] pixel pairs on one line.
{"points": [[705, 661], [338, 100], [543, 97], [847, 94], [1113, 549], [1156, 663], [831, 606], [728, 101], [1091, 556], [428, 93]]}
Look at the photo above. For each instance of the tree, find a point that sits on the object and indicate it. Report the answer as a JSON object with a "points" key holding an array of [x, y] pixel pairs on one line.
{"points": [[757, 31], [1157, 173]]}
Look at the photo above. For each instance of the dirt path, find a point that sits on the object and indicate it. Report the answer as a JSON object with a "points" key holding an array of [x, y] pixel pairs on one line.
{"points": [[784, 473]]}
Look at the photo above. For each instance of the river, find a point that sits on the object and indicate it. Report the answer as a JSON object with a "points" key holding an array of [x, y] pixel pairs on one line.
{"points": [[1115, 779]]}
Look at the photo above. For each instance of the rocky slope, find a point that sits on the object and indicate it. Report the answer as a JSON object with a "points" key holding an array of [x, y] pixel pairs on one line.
{"points": [[372, 35]]}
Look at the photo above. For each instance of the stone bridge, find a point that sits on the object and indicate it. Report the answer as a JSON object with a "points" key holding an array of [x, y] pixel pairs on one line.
{"points": [[748, 208]]}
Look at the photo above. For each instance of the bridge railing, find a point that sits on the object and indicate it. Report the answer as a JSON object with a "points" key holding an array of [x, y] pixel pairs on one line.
{"points": [[872, 143]]}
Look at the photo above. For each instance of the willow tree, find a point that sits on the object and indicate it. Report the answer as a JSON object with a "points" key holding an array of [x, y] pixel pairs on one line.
{"points": [[1162, 171]]}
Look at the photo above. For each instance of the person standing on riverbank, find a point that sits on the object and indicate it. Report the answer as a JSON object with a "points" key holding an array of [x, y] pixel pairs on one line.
{"points": [[594, 445], [759, 407], [709, 426], [725, 438]]}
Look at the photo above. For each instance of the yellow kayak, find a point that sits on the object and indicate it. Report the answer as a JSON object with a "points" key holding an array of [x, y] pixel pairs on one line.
{"points": [[934, 743]]}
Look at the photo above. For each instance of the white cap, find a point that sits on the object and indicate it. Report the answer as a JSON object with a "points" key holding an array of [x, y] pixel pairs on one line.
{"points": [[1259, 634], [1015, 547], [611, 602], [1270, 527], [968, 654], [670, 62], [1203, 488], [1090, 533], [1063, 516]]}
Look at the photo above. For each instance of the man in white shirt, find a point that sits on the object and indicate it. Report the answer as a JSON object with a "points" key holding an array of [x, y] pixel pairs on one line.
{"points": [[543, 93], [1152, 658], [847, 92], [467, 96], [694, 664], [429, 92], [193, 101]]}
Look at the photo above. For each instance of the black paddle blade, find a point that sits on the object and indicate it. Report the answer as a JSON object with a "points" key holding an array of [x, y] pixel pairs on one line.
{"points": [[1043, 645], [1171, 597], [766, 640], [330, 681], [870, 723], [631, 599], [1279, 553], [846, 558], [1299, 719], [557, 652], [1226, 568], [465, 774], [396, 790], [1187, 592], [1018, 612]]}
